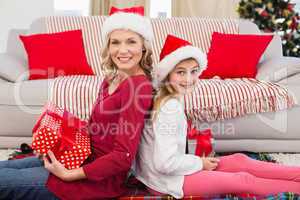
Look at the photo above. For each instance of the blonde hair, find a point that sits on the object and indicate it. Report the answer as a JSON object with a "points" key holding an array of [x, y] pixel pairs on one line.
{"points": [[164, 93], [110, 69]]}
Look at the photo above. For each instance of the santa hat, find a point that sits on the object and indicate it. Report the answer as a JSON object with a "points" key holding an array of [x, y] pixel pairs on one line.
{"points": [[173, 52], [128, 18]]}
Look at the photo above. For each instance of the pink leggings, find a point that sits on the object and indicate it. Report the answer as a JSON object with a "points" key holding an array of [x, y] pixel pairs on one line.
{"points": [[238, 173]]}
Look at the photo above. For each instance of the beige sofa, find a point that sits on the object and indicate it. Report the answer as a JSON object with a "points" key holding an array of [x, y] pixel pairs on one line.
{"points": [[21, 100]]}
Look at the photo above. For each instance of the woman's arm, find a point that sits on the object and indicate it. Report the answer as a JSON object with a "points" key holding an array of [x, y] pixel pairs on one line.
{"points": [[58, 169], [168, 129]]}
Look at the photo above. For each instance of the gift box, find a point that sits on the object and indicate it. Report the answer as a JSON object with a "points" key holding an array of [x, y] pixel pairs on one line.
{"points": [[202, 139], [64, 134]]}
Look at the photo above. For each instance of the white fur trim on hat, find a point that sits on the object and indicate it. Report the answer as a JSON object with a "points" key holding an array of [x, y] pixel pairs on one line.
{"points": [[167, 64], [130, 21]]}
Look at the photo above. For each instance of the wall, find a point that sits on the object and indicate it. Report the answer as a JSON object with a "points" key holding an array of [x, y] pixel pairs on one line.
{"points": [[20, 14], [205, 8]]}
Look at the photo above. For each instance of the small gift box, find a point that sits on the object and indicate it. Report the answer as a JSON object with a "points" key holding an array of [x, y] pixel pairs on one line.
{"points": [[203, 140], [62, 133]]}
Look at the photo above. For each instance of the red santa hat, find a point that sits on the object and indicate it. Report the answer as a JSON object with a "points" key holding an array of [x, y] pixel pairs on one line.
{"points": [[128, 18], [173, 52]]}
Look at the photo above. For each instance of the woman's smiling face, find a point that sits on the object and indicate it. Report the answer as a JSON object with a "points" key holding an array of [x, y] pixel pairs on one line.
{"points": [[126, 49]]}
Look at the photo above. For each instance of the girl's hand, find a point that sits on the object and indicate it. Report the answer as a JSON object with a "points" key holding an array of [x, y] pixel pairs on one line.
{"points": [[210, 163], [55, 167]]}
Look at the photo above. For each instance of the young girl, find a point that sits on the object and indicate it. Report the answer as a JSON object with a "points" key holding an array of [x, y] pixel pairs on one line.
{"points": [[115, 125], [162, 164]]}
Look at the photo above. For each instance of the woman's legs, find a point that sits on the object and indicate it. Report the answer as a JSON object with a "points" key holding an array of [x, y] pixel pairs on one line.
{"points": [[242, 163], [27, 183], [208, 183], [24, 179], [21, 163]]}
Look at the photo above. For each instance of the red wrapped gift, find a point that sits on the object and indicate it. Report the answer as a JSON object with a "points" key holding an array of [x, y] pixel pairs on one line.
{"points": [[204, 141], [64, 134]]}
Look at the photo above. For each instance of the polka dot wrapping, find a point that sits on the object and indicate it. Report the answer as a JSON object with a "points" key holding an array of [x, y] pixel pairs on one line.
{"points": [[48, 136]]}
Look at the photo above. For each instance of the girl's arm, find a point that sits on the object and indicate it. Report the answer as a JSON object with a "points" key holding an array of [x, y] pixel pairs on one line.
{"points": [[170, 130]]}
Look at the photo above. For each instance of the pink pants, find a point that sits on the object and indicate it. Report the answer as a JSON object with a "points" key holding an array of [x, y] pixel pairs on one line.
{"points": [[238, 173]]}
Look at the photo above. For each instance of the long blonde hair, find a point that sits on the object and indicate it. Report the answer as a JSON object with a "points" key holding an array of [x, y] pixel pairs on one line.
{"points": [[110, 69], [165, 92]]}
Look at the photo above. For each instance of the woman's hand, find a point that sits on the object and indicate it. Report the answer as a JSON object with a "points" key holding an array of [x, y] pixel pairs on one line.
{"points": [[38, 155], [210, 163], [55, 167], [58, 169]]}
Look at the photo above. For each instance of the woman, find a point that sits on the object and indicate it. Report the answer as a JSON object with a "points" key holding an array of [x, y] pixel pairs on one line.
{"points": [[115, 125], [162, 164]]}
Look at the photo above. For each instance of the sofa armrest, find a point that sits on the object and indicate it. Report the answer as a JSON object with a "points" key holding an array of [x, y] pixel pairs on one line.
{"points": [[14, 45], [276, 69], [13, 68]]}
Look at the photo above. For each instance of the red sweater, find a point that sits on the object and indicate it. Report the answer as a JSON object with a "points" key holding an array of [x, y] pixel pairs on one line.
{"points": [[115, 127]]}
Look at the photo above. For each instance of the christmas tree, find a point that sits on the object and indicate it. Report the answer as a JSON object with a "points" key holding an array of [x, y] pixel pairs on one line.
{"points": [[275, 16]]}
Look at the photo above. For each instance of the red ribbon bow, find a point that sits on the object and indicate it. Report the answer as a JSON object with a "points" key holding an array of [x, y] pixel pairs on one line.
{"points": [[203, 138], [69, 127], [136, 10]]}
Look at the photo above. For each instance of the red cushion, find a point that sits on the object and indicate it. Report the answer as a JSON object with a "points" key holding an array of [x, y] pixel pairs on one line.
{"points": [[56, 54], [235, 55]]}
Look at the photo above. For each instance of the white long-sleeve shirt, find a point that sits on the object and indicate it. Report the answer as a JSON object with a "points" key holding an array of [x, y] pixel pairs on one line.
{"points": [[161, 162]]}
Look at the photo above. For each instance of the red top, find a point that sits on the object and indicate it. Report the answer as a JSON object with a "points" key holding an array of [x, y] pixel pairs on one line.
{"points": [[115, 127]]}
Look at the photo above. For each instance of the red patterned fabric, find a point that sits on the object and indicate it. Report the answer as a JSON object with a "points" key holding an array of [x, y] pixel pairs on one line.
{"points": [[65, 135]]}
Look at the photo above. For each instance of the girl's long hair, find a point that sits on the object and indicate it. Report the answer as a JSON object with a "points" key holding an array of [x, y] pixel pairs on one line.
{"points": [[164, 93]]}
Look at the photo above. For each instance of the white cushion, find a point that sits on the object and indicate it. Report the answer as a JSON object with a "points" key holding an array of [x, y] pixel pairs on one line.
{"points": [[276, 69], [12, 68], [33, 92]]}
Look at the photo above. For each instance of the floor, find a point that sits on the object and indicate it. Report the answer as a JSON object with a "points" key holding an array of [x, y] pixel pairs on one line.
{"points": [[284, 158], [4, 153]]}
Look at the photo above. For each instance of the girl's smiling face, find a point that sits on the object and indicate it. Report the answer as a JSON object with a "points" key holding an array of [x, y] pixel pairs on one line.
{"points": [[184, 76]]}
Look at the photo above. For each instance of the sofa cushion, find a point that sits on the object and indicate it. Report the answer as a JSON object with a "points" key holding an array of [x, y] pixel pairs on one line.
{"points": [[34, 92], [13, 68], [52, 55], [91, 28], [235, 55]]}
